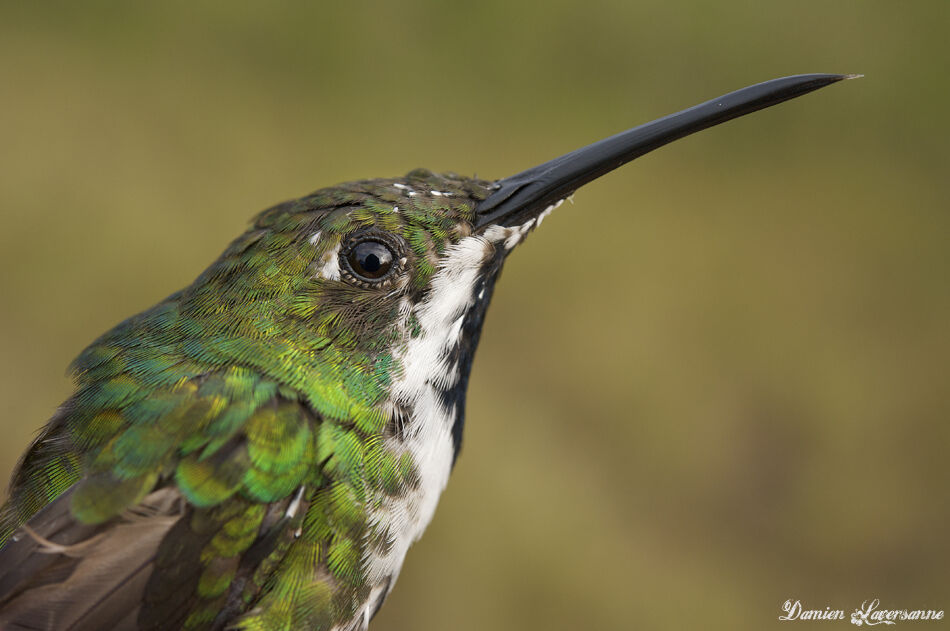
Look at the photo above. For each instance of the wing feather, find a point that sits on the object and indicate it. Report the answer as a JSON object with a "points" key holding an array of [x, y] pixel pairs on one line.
{"points": [[172, 513], [59, 574]]}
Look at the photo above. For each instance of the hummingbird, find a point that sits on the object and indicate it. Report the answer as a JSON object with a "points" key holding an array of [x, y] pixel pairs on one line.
{"points": [[259, 450]]}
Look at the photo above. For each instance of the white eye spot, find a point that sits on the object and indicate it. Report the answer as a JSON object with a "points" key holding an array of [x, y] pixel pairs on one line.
{"points": [[328, 267], [396, 209]]}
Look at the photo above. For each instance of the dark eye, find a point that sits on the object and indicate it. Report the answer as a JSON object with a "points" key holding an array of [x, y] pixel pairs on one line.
{"points": [[370, 260]]}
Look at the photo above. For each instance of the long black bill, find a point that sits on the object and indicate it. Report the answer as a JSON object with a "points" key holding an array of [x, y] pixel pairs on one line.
{"points": [[525, 195]]}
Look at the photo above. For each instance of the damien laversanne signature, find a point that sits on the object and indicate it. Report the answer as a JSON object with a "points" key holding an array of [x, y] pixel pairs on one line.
{"points": [[869, 613]]}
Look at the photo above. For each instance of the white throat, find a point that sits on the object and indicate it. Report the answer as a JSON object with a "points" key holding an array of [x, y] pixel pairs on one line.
{"points": [[427, 372]]}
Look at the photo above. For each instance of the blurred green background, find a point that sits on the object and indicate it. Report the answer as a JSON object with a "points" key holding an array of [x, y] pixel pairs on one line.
{"points": [[716, 382]]}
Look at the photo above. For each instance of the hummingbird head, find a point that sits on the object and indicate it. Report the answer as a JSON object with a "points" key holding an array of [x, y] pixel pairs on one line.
{"points": [[393, 277]]}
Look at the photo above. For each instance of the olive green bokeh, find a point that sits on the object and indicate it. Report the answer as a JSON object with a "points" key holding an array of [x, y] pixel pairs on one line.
{"points": [[714, 383]]}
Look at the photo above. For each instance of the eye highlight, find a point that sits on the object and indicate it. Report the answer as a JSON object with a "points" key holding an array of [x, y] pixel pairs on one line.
{"points": [[370, 260]]}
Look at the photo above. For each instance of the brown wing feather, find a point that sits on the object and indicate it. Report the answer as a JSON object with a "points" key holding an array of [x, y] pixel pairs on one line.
{"points": [[59, 575]]}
